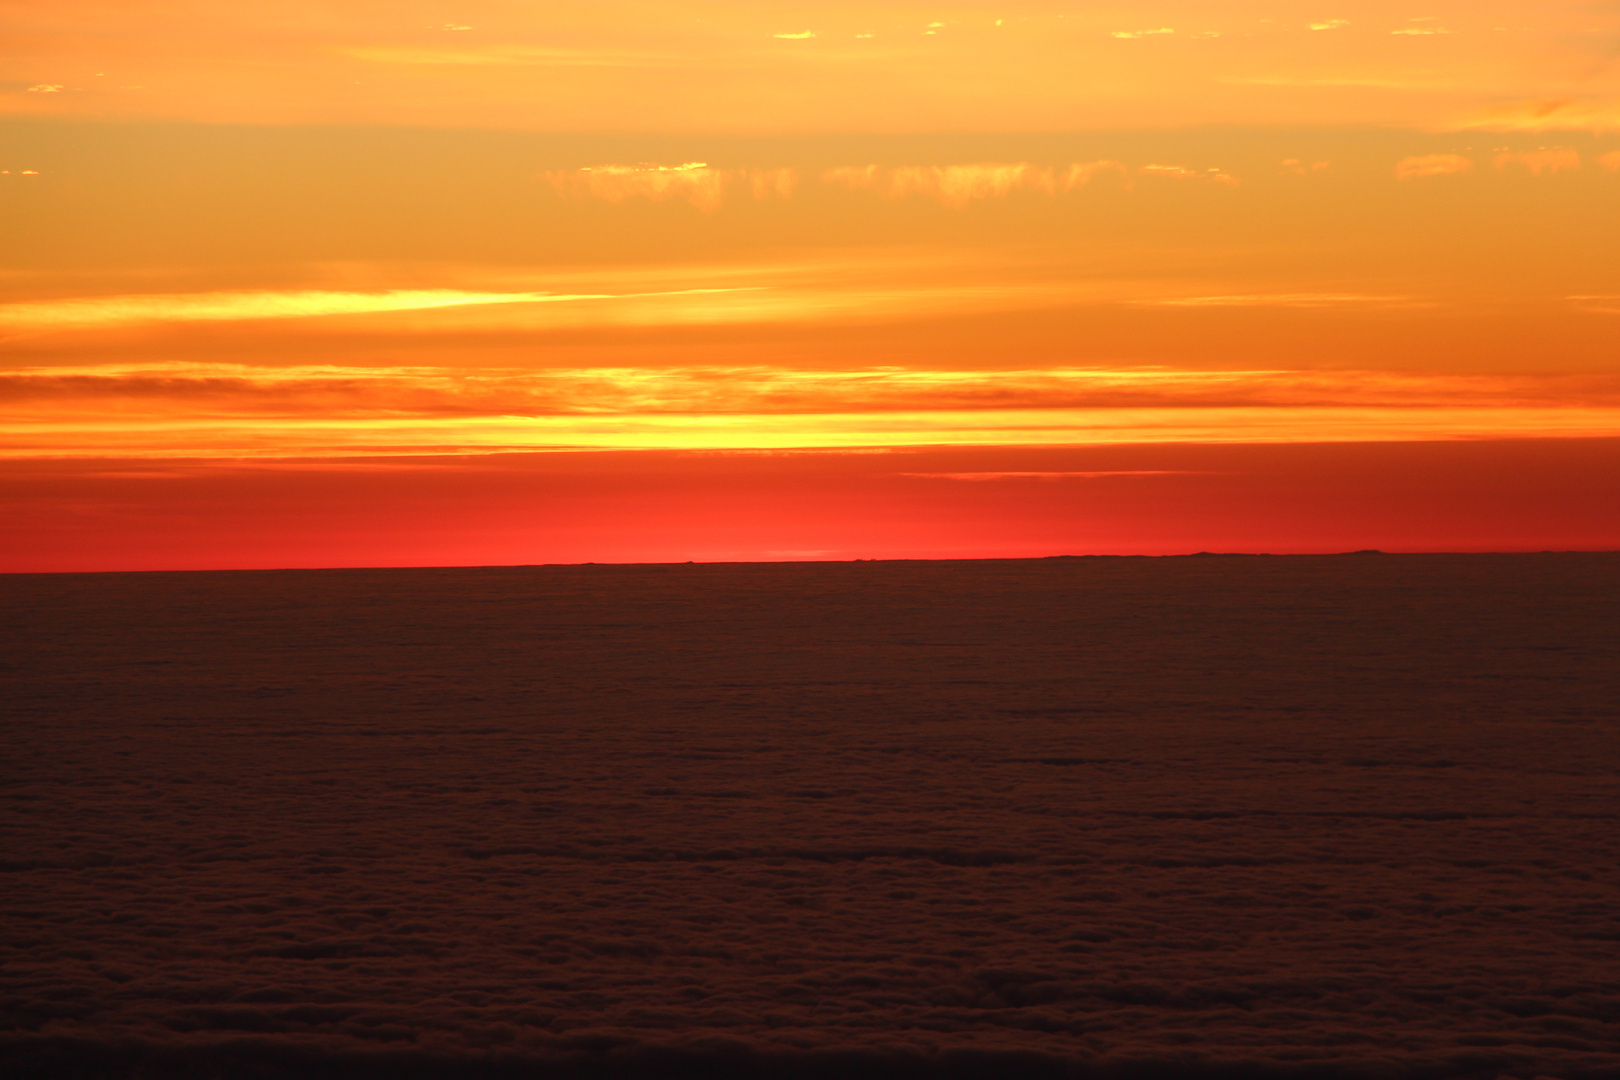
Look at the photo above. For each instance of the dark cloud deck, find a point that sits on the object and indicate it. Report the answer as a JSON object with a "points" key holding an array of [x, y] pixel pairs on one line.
{"points": [[1302, 816]]}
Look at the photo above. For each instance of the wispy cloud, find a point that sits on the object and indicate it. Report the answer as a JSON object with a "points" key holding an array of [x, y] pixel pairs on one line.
{"points": [[1557, 159], [723, 390], [1300, 168], [981, 477], [302, 304], [1547, 114], [1424, 165], [216, 306], [952, 185], [225, 410], [956, 186], [506, 55], [1416, 81], [1182, 172], [694, 182], [1288, 300], [657, 68], [416, 436]]}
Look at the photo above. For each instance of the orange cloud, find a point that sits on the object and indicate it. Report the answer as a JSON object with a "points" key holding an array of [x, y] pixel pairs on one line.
{"points": [[1610, 162], [1081, 173], [1181, 172], [1422, 165], [298, 304], [980, 477], [695, 182], [956, 186], [330, 436], [221, 306], [953, 185], [1548, 114], [226, 410], [1540, 161], [1287, 300]]}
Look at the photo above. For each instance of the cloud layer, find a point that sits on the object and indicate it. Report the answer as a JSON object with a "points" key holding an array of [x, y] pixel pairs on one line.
{"points": [[694, 182], [812, 821], [235, 410], [956, 186]]}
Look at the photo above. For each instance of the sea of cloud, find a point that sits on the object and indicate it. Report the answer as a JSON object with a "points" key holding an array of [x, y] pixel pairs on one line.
{"points": [[1201, 817]]}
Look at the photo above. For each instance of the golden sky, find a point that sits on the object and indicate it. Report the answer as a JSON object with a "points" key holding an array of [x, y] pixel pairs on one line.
{"points": [[825, 67], [350, 232]]}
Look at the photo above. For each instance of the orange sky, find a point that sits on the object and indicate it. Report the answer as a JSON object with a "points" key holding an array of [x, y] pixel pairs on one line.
{"points": [[312, 257]]}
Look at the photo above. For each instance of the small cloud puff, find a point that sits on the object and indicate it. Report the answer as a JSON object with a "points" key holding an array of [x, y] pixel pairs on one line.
{"points": [[1181, 172], [693, 181], [1300, 168], [46, 88], [957, 185], [1142, 33], [1610, 162], [1330, 24], [1422, 165], [1556, 159], [800, 36]]}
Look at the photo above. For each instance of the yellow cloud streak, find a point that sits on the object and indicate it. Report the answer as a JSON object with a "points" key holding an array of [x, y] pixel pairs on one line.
{"points": [[1026, 427], [206, 410], [356, 391], [844, 288], [226, 306]]}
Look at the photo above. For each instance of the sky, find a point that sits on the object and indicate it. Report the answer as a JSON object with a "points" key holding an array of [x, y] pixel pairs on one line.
{"points": [[463, 283]]}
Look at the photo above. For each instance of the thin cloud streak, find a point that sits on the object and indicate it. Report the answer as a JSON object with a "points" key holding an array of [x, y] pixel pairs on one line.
{"points": [[1288, 300], [982, 477], [231, 410], [237, 306], [695, 182], [323, 437], [1421, 166], [1540, 161], [955, 186], [359, 391], [1547, 114]]}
